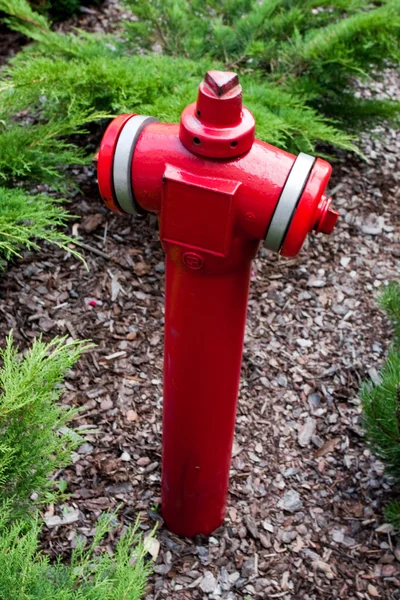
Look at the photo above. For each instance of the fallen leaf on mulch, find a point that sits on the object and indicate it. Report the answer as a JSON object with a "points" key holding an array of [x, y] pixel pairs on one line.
{"points": [[328, 447], [92, 222]]}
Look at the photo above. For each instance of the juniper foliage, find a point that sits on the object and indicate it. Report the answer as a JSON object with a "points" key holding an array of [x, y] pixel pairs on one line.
{"points": [[33, 150], [83, 78], [381, 401], [390, 301], [22, 145], [155, 85], [305, 77], [27, 574], [35, 438], [27, 219], [311, 48], [66, 81], [297, 60], [392, 514]]}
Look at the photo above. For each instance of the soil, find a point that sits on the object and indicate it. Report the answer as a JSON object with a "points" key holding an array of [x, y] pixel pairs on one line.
{"points": [[10, 43], [304, 517]]}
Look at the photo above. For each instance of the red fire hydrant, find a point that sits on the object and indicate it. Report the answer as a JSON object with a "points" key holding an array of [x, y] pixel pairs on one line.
{"points": [[217, 192]]}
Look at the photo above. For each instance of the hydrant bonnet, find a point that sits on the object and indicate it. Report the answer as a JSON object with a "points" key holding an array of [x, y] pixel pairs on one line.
{"points": [[217, 125]]}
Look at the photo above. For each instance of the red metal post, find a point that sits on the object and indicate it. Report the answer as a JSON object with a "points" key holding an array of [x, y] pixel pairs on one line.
{"points": [[217, 192], [204, 328]]}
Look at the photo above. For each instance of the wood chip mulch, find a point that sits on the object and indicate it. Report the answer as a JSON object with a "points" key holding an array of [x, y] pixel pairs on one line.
{"points": [[304, 516]]}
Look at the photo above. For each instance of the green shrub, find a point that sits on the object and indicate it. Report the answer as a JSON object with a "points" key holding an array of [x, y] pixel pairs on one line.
{"points": [[32, 150], [35, 439], [156, 85], [27, 574], [390, 300], [64, 82], [312, 48], [297, 61], [82, 77], [392, 514], [21, 146], [381, 402], [25, 219]]}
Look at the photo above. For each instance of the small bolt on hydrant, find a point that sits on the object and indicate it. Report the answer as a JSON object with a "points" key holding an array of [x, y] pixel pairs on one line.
{"points": [[217, 192]]}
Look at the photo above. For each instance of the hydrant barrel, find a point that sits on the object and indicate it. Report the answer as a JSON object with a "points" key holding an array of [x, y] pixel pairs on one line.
{"points": [[218, 192], [204, 327]]}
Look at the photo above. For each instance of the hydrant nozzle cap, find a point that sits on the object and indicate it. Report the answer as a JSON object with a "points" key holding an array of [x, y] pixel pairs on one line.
{"points": [[217, 125], [326, 216]]}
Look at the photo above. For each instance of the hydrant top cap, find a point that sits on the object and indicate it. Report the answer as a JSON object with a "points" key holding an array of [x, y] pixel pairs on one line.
{"points": [[217, 125], [222, 82]]}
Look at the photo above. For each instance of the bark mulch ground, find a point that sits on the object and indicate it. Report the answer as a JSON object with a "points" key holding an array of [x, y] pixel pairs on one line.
{"points": [[304, 515]]}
